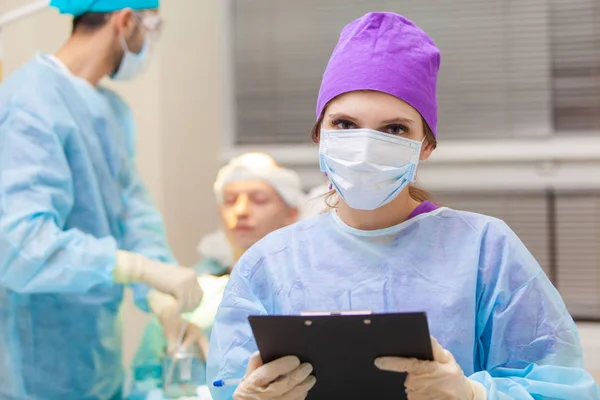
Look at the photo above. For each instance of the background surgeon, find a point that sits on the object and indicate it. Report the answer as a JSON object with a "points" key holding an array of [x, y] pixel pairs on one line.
{"points": [[76, 222]]}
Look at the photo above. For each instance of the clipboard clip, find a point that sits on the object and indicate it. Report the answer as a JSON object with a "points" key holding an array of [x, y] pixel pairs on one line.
{"points": [[330, 313]]}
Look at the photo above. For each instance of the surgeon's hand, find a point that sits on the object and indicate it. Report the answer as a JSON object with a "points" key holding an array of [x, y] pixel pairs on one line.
{"points": [[439, 379], [179, 282], [193, 337], [282, 379], [166, 309]]}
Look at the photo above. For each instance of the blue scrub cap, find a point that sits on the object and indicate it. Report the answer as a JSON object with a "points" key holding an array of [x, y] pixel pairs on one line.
{"points": [[78, 7]]}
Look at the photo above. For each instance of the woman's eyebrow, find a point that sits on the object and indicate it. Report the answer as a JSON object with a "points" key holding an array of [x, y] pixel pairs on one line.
{"points": [[387, 122], [342, 116], [398, 120]]}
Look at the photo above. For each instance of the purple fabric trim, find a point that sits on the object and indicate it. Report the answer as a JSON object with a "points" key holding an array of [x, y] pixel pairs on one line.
{"points": [[423, 208]]}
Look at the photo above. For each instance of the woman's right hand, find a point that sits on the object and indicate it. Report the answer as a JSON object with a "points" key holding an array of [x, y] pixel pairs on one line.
{"points": [[284, 379]]}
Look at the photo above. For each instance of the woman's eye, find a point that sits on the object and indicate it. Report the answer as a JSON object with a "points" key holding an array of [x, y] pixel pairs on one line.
{"points": [[397, 129], [342, 124]]}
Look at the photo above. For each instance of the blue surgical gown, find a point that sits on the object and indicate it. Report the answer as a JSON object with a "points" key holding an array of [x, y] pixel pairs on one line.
{"points": [[486, 297], [70, 197]]}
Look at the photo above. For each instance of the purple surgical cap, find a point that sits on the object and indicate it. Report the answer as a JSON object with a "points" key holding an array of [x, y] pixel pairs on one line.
{"points": [[384, 52]]}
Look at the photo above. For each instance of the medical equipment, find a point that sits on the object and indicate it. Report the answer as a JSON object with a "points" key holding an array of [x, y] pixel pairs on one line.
{"points": [[179, 282], [284, 378], [368, 168], [260, 166], [441, 378], [324, 340], [184, 370], [78, 7], [227, 382], [132, 64], [384, 52]]}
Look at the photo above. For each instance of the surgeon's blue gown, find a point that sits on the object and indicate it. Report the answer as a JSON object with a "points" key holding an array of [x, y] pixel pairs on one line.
{"points": [[69, 197], [486, 297]]}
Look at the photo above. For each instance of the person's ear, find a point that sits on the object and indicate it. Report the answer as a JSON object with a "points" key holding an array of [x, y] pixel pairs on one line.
{"points": [[426, 150], [124, 23], [316, 131]]}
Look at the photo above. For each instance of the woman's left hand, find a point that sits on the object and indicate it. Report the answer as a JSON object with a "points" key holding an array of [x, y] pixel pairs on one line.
{"points": [[439, 379]]}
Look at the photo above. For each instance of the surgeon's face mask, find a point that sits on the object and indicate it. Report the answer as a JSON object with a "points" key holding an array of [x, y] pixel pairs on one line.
{"points": [[367, 168], [132, 64]]}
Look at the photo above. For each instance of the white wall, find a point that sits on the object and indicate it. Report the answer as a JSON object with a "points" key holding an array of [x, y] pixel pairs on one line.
{"points": [[590, 341], [176, 105]]}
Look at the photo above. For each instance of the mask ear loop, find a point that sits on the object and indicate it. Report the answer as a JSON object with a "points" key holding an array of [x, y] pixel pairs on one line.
{"points": [[417, 159]]}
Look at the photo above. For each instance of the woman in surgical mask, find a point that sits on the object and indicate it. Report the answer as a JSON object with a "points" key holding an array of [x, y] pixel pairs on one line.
{"points": [[501, 329]]}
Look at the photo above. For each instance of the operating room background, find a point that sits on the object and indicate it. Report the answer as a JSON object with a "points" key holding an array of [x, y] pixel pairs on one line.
{"points": [[230, 76]]}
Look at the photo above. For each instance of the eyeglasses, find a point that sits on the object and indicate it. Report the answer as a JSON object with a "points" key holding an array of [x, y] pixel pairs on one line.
{"points": [[151, 22]]}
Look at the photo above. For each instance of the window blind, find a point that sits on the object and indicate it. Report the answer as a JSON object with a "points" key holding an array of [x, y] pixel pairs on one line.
{"points": [[578, 239], [495, 80], [575, 45]]}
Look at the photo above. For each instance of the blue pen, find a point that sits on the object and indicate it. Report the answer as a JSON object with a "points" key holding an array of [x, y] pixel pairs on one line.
{"points": [[227, 382]]}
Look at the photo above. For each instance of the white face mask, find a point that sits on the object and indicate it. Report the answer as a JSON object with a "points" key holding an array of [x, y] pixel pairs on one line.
{"points": [[368, 168], [133, 64]]}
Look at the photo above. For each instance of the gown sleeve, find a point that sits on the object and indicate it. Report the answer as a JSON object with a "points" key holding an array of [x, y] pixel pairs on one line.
{"points": [[142, 225], [528, 345]]}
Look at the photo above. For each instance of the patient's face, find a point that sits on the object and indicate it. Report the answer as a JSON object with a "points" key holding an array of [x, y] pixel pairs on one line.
{"points": [[251, 210]]}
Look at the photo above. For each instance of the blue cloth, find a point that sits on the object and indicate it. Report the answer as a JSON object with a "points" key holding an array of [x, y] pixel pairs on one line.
{"points": [[71, 196], [486, 297], [78, 7]]}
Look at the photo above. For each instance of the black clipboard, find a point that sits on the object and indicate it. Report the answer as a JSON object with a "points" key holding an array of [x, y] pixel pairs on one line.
{"points": [[342, 349]]}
